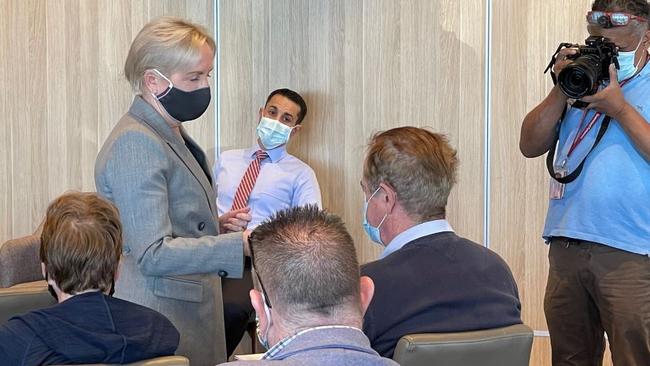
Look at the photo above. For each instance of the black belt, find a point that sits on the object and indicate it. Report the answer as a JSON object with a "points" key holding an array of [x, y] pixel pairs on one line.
{"points": [[571, 241]]}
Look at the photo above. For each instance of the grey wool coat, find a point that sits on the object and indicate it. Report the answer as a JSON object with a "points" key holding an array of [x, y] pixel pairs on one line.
{"points": [[173, 257]]}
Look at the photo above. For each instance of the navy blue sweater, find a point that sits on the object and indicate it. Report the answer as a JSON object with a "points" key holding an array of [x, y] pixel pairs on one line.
{"points": [[438, 283], [87, 328]]}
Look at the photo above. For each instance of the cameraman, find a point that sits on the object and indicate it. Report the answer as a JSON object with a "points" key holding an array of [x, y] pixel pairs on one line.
{"points": [[598, 225]]}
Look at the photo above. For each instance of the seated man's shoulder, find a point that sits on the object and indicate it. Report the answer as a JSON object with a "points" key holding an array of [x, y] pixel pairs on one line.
{"points": [[427, 250], [294, 160], [17, 338], [481, 252], [19, 327], [460, 245], [374, 267], [233, 153], [137, 312]]}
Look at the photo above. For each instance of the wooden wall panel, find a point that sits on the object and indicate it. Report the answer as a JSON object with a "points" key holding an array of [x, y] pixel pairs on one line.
{"points": [[540, 355], [362, 66], [6, 166], [63, 90], [520, 186]]}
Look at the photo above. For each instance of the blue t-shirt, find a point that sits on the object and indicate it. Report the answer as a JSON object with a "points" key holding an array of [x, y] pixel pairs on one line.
{"points": [[609, 202]]}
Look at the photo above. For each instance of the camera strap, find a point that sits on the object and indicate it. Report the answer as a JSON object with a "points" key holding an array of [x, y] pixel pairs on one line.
{"points": [[579, 136], [574, 174], [549, 67]]}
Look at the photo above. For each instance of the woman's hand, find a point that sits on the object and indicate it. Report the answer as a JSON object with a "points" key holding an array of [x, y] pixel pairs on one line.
{"points": [[236, 220]]}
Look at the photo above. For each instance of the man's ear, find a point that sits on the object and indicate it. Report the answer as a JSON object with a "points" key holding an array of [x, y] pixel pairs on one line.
{"points": [[646, 39], [390, 197], [258, 304], [50, 280], [367, 287], [295, 130]]}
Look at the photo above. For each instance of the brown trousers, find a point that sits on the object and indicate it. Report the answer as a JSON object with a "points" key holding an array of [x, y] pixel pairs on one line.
{"points": [[592, 289]]}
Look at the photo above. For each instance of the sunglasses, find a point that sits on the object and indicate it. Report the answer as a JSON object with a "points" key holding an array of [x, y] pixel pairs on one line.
{"points": [[267, 300], [607, 19]]}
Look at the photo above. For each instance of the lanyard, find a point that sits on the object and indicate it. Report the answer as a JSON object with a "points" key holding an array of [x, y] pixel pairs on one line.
{"points": [[561, 178], [581, 135]]}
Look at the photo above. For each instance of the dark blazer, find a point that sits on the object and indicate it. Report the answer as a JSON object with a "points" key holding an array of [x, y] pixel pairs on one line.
{"points": [[438, 283], [87, 328]]}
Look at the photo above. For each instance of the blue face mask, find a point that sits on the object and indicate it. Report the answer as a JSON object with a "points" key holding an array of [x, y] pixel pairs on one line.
{"points": [[273, 133], [373, 232], [626, 66]]}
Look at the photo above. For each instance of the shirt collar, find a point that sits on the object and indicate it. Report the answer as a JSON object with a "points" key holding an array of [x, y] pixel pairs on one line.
{"points": [[415, 232], [273, 351], [275, 154]]}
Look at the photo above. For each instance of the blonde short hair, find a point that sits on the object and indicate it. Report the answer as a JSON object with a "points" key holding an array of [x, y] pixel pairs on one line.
{"points": [[167, 44], [418, 164]]}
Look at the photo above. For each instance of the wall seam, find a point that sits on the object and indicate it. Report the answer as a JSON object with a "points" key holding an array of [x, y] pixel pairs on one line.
{"points": [[487, 121], [217, 74]]}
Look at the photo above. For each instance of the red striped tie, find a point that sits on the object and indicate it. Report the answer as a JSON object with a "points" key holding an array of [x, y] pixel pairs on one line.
{"points": [[248, 181]]}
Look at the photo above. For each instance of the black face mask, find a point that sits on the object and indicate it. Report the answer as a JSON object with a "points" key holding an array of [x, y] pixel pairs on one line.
{"points": [[182, 105]]}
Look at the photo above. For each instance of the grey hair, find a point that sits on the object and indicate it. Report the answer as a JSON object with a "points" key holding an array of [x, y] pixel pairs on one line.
{"points": [[418, 164]]}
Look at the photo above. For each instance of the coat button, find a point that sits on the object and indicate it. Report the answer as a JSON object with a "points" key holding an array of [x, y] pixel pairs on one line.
{"points": [[222, 273], [201, 226]]}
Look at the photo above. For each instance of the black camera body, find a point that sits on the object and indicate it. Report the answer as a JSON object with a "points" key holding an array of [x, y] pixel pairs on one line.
{"points": [[590, 67]]}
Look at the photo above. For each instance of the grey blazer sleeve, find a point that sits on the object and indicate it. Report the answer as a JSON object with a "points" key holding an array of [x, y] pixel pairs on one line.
{"points": [[166, 221]]}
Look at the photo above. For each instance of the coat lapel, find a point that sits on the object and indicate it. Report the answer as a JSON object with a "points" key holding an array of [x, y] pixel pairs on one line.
{"points": [[145, 113]]}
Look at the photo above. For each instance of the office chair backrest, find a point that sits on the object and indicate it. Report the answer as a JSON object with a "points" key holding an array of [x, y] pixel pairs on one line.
{"points": [[508, 346], [24, 298], [19, 260], [158, 361]]}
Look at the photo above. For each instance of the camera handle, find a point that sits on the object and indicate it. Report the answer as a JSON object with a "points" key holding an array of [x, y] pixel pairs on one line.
{"points": [[554, 58], [574, 174]]}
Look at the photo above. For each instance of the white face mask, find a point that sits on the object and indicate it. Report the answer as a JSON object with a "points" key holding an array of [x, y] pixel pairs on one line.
{"points": [[264, 338], [626, 66]]}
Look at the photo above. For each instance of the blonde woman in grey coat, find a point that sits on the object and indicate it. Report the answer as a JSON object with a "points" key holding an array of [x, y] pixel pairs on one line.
{"points": [[159, 178]]}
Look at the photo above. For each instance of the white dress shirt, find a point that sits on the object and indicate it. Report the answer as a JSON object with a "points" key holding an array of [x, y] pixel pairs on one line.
{"points": [[284, 181]]}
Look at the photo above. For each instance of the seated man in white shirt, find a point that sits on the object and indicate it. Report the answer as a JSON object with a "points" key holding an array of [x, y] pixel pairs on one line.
{"points": [[264, 179]]}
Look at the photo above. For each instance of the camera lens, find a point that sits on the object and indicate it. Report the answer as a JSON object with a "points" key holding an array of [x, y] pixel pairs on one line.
{"points": [[580, 77]]}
